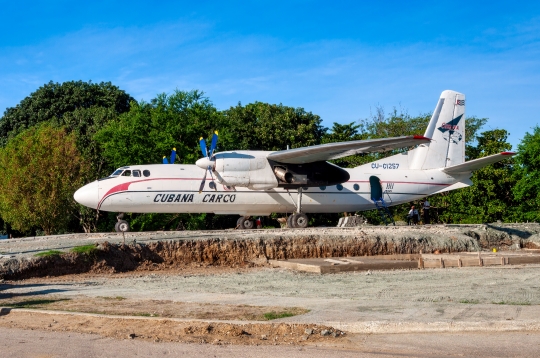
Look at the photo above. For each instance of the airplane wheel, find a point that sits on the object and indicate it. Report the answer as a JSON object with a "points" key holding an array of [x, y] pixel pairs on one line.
{"points": [[240, 221], [300, 221], [290, 222], [245, 224], [121, 226]]}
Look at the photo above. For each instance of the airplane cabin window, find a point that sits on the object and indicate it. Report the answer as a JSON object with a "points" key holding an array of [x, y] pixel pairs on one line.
{"points": [[146, 173], [339, 187], [356, 187], [137, 173], [212, 185], [126, 173], [322, 187]]}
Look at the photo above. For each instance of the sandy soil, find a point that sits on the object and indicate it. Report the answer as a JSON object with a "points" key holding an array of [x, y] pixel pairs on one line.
{"points": [[170, 330], [37, 343], [221, 306], [122, 306], [504, 297]]}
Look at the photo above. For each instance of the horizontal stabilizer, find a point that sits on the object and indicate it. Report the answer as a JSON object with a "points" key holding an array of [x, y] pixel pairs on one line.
{"points": [[460, 184], [323, 152], [476, 164]]}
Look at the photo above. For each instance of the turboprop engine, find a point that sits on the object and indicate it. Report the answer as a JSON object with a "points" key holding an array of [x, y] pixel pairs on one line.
{"points": [[246, 169], [253, 170]]}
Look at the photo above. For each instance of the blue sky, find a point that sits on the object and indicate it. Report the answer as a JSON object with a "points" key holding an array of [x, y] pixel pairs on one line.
{"points": [[337, 59]]}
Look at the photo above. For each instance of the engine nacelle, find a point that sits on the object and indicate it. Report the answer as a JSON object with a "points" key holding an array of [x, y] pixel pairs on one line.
{"points": [[291, 176], [246, 169], [251, 169]]}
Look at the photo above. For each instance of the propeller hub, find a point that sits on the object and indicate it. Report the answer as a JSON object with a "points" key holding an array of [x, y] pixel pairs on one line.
{"points": [[204, 163]]}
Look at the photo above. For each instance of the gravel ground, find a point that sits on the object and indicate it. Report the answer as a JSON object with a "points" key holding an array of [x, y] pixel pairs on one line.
{"points": [[389, 301], [471, 311]]}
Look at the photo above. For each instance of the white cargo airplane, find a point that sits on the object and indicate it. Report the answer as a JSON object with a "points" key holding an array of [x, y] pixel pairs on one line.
{"points": [[253, 183]]}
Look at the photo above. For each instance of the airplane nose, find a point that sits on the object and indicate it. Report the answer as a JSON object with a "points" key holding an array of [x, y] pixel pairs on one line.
{"points": [[88, 195]]}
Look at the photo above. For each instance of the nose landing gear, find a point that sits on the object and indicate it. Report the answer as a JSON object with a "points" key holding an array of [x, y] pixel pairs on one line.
{"points": [[121, 225]]}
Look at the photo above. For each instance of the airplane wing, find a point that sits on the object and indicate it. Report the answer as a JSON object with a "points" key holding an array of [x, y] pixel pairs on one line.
{"points": [[476, 164], [323, 152]]}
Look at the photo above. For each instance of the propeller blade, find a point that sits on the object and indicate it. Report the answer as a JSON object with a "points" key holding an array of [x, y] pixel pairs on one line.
{"points": [[214, 143], [165, 161], [203, 147], [202, 182], [173, 155], [211, 176]]}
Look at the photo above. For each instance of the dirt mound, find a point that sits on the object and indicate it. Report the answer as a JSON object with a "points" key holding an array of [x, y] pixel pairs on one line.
{"points": [[256, 247], [168, 330]]}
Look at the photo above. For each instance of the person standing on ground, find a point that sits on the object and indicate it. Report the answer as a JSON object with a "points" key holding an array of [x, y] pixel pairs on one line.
{"points": [[426, 212], [412, 216]]}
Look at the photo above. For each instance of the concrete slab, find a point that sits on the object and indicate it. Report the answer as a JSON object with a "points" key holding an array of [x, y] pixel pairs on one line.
{"points": [[344, 264], [409, 261]]}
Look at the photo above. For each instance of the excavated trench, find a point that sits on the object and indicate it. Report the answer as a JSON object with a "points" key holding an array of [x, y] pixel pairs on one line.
{"points": [[256, 248]]}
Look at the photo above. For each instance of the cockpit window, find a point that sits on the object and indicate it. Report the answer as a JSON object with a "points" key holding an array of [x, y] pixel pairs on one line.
{"points": [[126, 173], [117, 172], [137, 173]]}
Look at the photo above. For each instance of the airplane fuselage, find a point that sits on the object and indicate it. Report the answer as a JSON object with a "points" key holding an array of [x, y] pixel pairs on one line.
{"points": [[175, 189]]}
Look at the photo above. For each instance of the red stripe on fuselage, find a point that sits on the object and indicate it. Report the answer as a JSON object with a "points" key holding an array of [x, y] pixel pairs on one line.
{"points": [[125, 186]]}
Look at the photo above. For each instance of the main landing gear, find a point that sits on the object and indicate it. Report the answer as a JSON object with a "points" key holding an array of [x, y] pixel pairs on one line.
{"points": [[121, 225], [298, 220], [245, 223]]}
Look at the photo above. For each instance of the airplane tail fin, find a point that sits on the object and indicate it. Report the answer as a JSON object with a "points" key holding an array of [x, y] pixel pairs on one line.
{"points": [[447, 131]]}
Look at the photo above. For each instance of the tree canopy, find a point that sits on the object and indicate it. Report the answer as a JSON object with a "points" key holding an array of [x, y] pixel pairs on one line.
{"points": [[264, 126], [53, 100], [148, 131], [527, 177], [41, 169]]}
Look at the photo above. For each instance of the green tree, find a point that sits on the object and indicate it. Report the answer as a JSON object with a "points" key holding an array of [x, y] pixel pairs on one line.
{"points": [[40, 170], [263, 126], [53, 100], [490, 197], [344, 133], [527, 175], [150, 130]]}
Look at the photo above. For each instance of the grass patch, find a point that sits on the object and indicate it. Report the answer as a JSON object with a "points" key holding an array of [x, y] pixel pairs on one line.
{"points": [[474, 302], [144, 314], [274, 315], [85, 249], [117, 298], [34, 303], [512, 303], [49, 253]]}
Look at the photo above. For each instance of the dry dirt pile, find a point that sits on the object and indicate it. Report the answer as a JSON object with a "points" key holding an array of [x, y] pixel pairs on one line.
{"points": [[256, 247], [169, 330]]}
